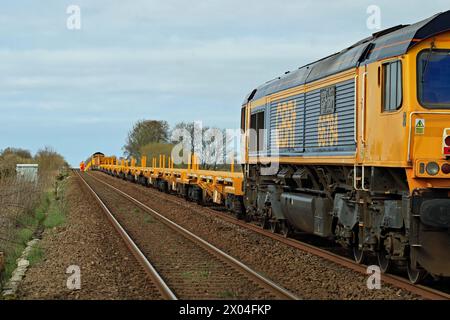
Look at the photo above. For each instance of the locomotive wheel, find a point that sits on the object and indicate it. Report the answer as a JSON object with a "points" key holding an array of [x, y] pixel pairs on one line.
{"points": [[264, 222], [274, 226], [359, 253], [415, 275], [384, 261], [285, 229]]}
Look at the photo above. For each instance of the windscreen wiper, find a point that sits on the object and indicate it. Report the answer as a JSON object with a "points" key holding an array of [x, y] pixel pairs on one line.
{"points": [[425, 66]]}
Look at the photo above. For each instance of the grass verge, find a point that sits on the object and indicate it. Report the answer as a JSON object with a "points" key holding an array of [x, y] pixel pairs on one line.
{"points": [[36, 255], [49, 213]]}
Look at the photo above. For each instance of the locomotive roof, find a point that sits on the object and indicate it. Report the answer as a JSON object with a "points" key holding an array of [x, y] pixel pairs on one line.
{"points": [[383, 44]]}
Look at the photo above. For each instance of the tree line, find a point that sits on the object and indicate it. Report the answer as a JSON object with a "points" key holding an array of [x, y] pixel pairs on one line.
{"points": [[47, 159], [152, 138]]}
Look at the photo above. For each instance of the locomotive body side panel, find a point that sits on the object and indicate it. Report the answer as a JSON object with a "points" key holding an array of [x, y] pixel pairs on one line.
{"points": [[286, 124], [310, 123], [330, 120]]}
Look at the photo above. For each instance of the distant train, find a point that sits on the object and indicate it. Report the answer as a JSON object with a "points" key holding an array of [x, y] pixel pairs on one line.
{"points": [[360, 143], [94, 160]]}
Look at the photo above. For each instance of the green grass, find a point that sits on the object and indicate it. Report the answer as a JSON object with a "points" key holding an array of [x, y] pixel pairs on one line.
{"points": [[24, 235], [49, 213], [196, 275], [27, 220], [55, 215], [16, 248], [54, 219], [10, 261], [36, 255], [45, 203], [228, 294], [204, 274], [148, 219], [187, 275], [40, 216]]}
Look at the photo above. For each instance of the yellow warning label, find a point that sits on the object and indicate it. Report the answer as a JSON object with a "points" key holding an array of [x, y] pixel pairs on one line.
{"points": [[420, 126]]}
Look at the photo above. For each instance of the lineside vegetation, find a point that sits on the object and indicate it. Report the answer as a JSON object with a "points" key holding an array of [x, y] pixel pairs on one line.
{"points": [[27, 207]]}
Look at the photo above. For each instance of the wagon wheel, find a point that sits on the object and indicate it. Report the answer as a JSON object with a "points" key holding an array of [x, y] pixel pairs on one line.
{"points": [[238, 209], [239, 215]]}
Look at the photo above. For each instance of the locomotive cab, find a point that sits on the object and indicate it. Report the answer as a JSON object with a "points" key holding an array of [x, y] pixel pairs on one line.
{"points": [[429, 155], [404, 127]]}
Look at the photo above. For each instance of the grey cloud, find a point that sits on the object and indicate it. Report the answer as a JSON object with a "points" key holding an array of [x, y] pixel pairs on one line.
{"points": [[175, 60]]}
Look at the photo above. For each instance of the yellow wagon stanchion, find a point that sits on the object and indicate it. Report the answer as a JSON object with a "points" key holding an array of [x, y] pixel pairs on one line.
{"points": [[216, 184]]}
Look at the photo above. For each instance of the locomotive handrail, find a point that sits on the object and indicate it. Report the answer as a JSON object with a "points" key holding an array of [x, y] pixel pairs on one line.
{"points": [[363, 109], [363, 177], [410, 127]]}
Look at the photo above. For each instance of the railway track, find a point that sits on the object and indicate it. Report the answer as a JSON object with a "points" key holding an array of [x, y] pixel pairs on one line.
{"points": [[397, 281], [182, 265], [165, 291]]}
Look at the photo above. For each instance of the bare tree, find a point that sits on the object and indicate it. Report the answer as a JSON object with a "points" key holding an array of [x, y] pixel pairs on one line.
{"points": [[143, 133], [207, 143]]}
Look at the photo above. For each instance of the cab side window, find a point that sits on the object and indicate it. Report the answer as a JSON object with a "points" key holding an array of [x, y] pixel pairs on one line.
{"points": [[243, 114], [392, 86], [257, 123]]}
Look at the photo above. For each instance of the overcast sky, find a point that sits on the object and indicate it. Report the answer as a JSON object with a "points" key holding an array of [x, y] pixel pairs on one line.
{"points": [[80, 91]]}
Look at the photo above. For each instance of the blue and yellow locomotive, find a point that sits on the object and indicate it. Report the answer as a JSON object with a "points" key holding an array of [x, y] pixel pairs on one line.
{"points": [[356, 147]]}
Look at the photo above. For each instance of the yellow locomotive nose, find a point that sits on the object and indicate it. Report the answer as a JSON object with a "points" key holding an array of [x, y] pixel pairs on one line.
{"points": [[437, 164]]}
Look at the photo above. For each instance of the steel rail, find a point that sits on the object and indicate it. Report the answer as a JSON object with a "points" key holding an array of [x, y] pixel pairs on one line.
{"points": [[253, 275], [164, 289], [423, 291]]}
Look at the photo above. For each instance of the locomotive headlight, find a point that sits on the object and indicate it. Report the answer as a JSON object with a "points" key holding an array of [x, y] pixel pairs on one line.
{"points": [[432, 168], [446, 168]]}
